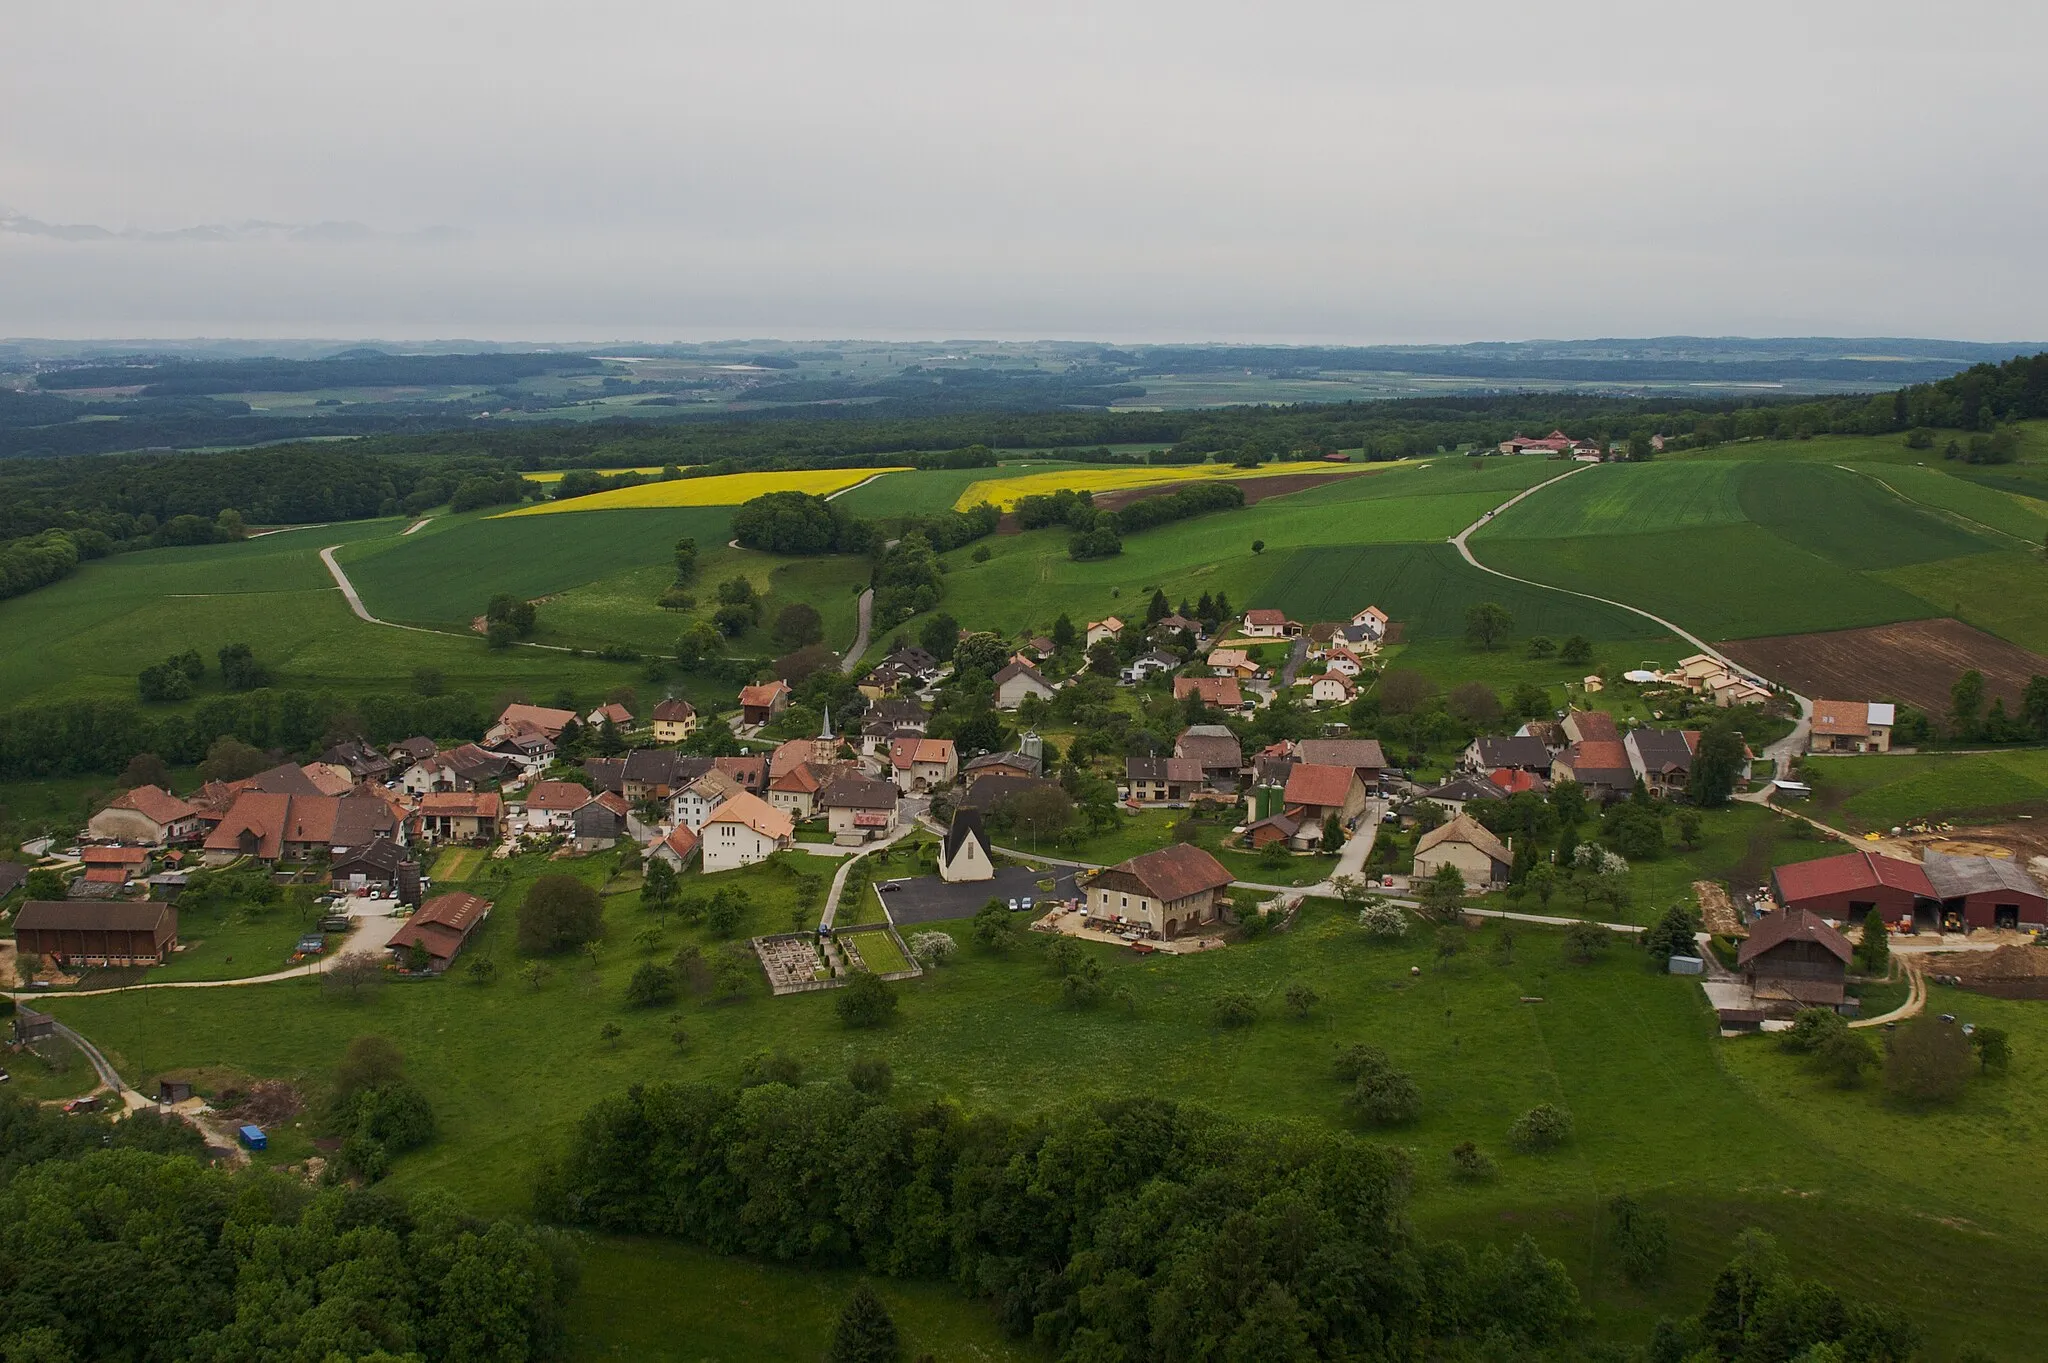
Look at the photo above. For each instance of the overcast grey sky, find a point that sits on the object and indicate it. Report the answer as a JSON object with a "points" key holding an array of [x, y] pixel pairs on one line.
{"points": [[1351, 171]]}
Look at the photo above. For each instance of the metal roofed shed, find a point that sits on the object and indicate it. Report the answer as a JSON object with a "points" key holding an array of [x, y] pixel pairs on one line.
{"points": [[252, 1138]]}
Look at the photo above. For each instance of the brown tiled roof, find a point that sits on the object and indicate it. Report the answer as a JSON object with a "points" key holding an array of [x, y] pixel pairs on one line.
{"points": [[673, 711], [801, 779], [483, 804], [114, 856], [1213, 751], [1344, 752], [156, 804], [763, 694], [92, 915], [858, 792], [538, 717], [750, 772], [1174, 872], [1469, 831], [557, 797], [1788, 925], [1595, 726], [1324, 787], [1841, 717], [1021, 670], [1218, 691]]}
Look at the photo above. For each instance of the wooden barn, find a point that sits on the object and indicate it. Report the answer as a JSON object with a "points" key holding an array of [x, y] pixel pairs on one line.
{"points": [[87, 932], [1793, 957]]}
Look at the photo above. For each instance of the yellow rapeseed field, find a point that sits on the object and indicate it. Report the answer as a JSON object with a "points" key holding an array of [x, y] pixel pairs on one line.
{"points": [[1004, 492], [555, 475], [727, 489]]}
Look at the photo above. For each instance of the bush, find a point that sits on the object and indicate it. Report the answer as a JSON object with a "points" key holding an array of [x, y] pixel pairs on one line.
{"points": [[1586, 942], [935, 948], [1383, 920], [651, 986], [1846, 1054], [1642, 1240], [1927, 1061], [560, 912], [1235, 1008], [1300, 999], [1386, 1097], [866, 1001], [870, 1074], [1543, 1127], [1811, 1029], [1471, 1164]]}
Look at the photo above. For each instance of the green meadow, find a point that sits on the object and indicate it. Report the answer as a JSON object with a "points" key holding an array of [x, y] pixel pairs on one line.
{"points": [[1878, 792]]}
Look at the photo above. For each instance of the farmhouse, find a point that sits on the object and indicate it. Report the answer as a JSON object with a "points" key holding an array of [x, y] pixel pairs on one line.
{"points": [[269, 827], [529, 748], [439, 928], [1600, 766], [1852, 726], [1984, 892], [858, 808], [1167, 891], [1269, 624], [460, 816], [1847, 887], [675, 719], [1017, 681], [1315, 792], [741, 831], [795, 792], [1362, 755], [750, 772], [1162, 780], [99, 933], [922, 764], [109, 869], [1218, 751], [1481, 858], [462, 768], [1523, 752], [965, 854], [148, 815], [657, 773], [1098, 630], [538, 718], [1221, 692], [550, 804], [1793, 957], [763, 702]]}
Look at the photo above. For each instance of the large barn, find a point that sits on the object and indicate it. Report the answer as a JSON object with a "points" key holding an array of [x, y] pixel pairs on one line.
{"points": [[96, 932], [1846, 888], [1985, 892], [1791, 956]]}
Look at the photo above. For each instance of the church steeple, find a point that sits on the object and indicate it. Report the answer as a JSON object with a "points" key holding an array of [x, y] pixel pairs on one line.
{"points": [[826, 732]]}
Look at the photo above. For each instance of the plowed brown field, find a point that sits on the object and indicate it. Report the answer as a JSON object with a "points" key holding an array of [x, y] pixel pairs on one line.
{"points": [[1915, 662]]}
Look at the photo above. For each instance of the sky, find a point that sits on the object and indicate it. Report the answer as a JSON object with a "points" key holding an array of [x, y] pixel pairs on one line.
{"points": [[1290, 170]]}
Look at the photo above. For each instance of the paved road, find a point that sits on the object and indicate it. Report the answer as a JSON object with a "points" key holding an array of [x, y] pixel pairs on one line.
{"points": [[1295, 658], [908, 825], [860, 637]]}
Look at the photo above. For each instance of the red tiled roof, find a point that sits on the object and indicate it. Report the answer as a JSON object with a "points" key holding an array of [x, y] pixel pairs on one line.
{"points": [[1312, 784], [106, 875], [1841, 717], [801, 779], [537, 717], [1597, 755], [1222, 692], [557, 797], [155, 804], [1265, 617], [1175, 872], [1858, 870], [1596, 726], [1512, 780], [673, 711], [114, 856], [762, 695], [682, 842], [482, 804]]}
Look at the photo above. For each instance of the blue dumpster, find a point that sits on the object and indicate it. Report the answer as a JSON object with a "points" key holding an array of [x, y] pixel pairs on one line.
{"points": [[253, 1138]]}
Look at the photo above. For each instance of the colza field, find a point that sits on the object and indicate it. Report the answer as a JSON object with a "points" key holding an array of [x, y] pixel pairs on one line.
{"points": [[1005, 492], [728, 489]]}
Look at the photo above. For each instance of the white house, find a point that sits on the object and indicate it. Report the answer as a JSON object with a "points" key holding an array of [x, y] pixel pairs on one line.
{"points": [[1373, 621], [921, 764], [1331, 689], [694, 803], [1098, 630], [1017, 681], [741, 831], [551, 805], [1342, 661], [965, 853], [1269, 624], [858, 808]]}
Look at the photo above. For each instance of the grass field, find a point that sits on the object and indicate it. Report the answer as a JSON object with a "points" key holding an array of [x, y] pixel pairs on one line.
{"points": [[729, 489], [1612, 499], [1662, 1107], [1849, 519], [2005, 593], [455, 864], [1877, 792], [1098, 478], [2006, 515]]}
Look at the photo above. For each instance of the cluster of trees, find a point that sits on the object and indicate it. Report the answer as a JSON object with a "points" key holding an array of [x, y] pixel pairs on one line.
{"points": [[1971, 722], [116, 1243], [1099, 534], [967, 457], [507, 618], [1134, 1228], [377, 1111], [173, 678], [800, 523], [560, 913]]}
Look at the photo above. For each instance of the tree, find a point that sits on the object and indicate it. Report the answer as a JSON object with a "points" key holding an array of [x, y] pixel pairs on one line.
{"points": [[1333, 836], [239, 670], [872, 1075], [940, 636], [1846, 1054], [1994, 1049], [369, 1062], [1234, 1008], [866, 1001], [1966, 704], [1301, 999], [610, 1033], [1717, 765], [1442, 896], [1576, 651], [352, 973], [1385, 1096], [1543, 1127], [651, 986], [865, 1333], [1927, 1061], [1063, 632], [994, 928], [797, 624], [1568, 798], [1401, 689], [1673, 934], [516, 615], [1102, 658], [1542, 646], [1382, 919], [1586, 942], [658, 887], [1474, 703], [145, 769], [1642, 1240], [1157, 609], [536, 974], [2034, 706], [935, 948], [1689, 827], [1874, 949], [1258, 546], [559, 912], [1487, 623]]}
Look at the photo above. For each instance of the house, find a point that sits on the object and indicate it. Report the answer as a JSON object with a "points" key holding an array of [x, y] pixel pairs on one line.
{"points": [[1332, 688], [1731, 690], [1040, 646], [1231, 662], [741, 831], [438, 929], [606, 773], [989, 792], [750, 772], [462, 768], [1600, 766], [1515, 781], [1017, 681], [530, 749], [1151, 665], [1282, 827], [1177, 624], [1662, 758], [374, 865], [1342, 661], [1852, 726], [922, 764], [692, 805], [1003, 764], [364, 762], [1216, 749], [1695, 672], [1556, 443], [1167, 892], [763, 701], [858, 808], [96, 932], [109, 869], [550, 804], [1846, 888], [1984, 892], [601, 822], [1314, 792], [540, 719], [1269, 624], [1222, 693], [329, 778], [1521, 752], [1467, 844], [1098, 630], [1362, 755], [1596, 725], [795, 792], [1373, 621], [965, 853], [617, 715], [1163, 780], [269, 827], [148, 815], [677, 848], [900, 713], [675, 719], [416, 749], [916, 664], [657, 773], [1463, 790], [460, 816], [1791, 956]]}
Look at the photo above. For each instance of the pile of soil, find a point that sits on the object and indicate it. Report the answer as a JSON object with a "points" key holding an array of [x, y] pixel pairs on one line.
{"points": [[1717, 911], [265, 1103], [2006, 963]]}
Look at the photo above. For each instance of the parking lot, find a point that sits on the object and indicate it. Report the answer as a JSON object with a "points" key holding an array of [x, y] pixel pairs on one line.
{"points": [[927, 899]]}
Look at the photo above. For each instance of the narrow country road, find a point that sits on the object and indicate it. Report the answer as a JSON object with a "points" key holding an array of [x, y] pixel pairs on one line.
{"points": [[1296, 656], [370, 934], [866, 613], [908, 825], [362, 612]]}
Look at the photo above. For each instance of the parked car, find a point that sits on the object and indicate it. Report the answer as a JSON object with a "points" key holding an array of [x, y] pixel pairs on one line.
{"points": [[1025, 903], [1013, 906]]}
